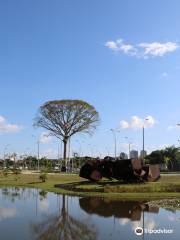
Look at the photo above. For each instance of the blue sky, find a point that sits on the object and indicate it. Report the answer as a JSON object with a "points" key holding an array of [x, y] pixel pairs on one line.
{"points": [[123, 57]]}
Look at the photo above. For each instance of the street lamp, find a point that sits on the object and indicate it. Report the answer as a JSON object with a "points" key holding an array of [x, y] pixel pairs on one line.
{"points": [[80, 148], [129, 146], [5, 148], [38, 143], [146, 119], [115, 140]]}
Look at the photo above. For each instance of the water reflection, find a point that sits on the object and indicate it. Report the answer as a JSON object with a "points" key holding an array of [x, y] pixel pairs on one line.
{"points": [[37, 214], [63, 226], [120, 209], [7, 213]]}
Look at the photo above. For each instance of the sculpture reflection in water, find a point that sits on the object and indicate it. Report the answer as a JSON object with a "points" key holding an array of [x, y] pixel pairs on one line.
{"points": [[63, 226], [119, 209]]}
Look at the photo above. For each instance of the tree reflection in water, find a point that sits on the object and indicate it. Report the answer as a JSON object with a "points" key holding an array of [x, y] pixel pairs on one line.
{"points": [[63, 227], [119, 209]]}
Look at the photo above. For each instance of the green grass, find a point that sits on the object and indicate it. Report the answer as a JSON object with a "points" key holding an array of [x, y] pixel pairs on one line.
{"points": [[72, 184]]}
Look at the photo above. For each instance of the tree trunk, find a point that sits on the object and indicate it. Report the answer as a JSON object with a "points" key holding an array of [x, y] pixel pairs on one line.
{"points": [[65, 151]]}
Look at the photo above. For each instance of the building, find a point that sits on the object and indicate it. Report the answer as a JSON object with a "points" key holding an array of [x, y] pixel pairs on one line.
{"points": [[133, 154], [141, 154], [123, 155]]}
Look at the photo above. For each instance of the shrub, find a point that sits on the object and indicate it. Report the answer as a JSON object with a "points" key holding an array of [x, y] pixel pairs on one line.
{"points": [[5, 172], [43, 177]]}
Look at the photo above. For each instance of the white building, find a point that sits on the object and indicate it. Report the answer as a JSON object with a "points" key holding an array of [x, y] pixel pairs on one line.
{"points": [[133, 154], [141, 154]]}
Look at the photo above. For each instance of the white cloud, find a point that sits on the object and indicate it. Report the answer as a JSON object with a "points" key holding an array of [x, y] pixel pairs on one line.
{"points": [[112, 45], [142, 50], [120, 46], [149, 224], [124, 221], [44, 205], [49, 153], [124, 124], [45, 138], [6, 127], [158, 49], [7, 213], [137, 122]]}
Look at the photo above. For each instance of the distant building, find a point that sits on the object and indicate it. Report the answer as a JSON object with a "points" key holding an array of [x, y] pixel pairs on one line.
{"points": [[123, 155], [133, 154], [141, 154]]}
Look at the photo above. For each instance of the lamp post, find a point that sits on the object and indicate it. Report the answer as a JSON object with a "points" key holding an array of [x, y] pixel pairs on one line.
{"points": [[38, 146], [146, 119], [5, 148], [129, 146], [115, 141], [80, 148], [178, 125]]}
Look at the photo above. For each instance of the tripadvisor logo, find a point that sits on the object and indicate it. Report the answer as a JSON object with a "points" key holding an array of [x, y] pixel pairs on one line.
{"points": [[138, 231]]}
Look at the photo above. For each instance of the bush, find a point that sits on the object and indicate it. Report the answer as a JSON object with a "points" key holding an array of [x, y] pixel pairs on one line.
{"points": [[5, 172], [43, 177]]}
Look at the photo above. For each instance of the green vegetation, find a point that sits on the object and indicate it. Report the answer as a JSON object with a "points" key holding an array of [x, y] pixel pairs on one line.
{"points": [[173, 204], [16, 172], [43, 177], [169, 157], [72, 184], [65, 118]]}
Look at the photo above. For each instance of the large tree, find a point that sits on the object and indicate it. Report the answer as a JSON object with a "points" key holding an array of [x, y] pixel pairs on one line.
{"points": [[64, 118]]}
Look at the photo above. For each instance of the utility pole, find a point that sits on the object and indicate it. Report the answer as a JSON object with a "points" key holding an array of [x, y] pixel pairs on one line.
{"points": [[146, 119], [115, 142], [5, 148], [38, 143], [38, 146], [129, 146]]}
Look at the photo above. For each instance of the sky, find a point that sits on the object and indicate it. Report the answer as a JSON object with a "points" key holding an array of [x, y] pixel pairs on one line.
{"points": [[121, 56]]}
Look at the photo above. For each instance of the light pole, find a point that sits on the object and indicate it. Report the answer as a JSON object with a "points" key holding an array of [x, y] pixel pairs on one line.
{"points": [[178, 125], [80, 148], [5, 148], [146, 119], [90, 150], [115, 141], [38, 146], [129, 146], [38, 143]]}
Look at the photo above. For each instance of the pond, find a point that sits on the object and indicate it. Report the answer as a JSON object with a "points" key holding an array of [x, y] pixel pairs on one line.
{"points": [[35, 214]]}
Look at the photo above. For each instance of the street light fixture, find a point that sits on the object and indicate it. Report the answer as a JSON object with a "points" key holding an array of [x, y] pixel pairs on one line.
{"points": [[5, 148], [129, 146], [146, 119], [38, 143], [115, 141]]}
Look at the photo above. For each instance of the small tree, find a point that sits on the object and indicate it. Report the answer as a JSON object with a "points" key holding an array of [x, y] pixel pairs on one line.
{"points": [[64, 118], [43, 176], [5, 172]]}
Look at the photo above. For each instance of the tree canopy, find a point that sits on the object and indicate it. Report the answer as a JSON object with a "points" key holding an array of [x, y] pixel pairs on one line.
{"points": [[170, 157], [64, 118]]}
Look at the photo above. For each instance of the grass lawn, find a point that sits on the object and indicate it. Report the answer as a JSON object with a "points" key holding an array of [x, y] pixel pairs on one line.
{"points": [[72, 184]]}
